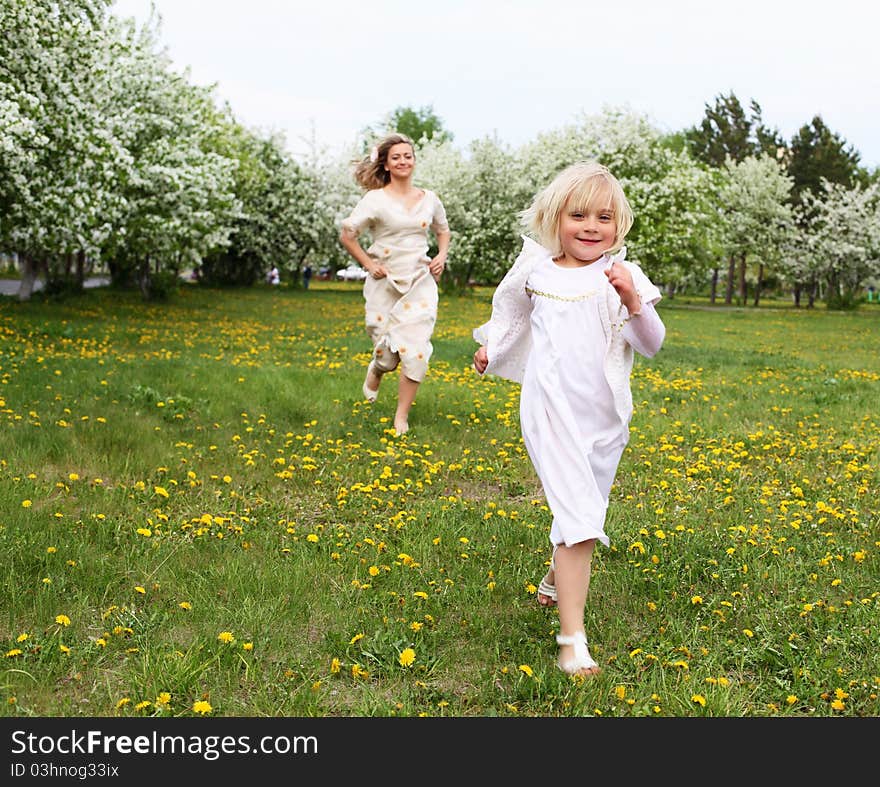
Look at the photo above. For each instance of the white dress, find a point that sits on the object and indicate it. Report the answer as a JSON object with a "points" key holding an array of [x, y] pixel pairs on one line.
{"points": [[571, 428]]}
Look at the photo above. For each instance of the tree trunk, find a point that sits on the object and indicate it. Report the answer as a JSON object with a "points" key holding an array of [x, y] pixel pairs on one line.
{"points": [[144, 277], [742, 280], [811, 293], [759, 284], [80, 269], [713, 292], [797, 295], [29, 270], [731, 272]]}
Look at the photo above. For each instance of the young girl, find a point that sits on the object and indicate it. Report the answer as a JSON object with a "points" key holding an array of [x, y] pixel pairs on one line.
{"points": [[565, 321], [401, 285]]}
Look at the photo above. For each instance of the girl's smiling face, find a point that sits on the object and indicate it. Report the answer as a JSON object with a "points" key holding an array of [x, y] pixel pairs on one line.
{"points": [[585, 234]]}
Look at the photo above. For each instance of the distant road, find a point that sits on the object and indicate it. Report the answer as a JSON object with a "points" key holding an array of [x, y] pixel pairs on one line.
{"points": [[10, 286]]}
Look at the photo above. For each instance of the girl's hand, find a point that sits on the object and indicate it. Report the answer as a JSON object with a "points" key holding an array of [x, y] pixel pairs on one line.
{"points": [[481, 360], [621, 279], [377, 271]]}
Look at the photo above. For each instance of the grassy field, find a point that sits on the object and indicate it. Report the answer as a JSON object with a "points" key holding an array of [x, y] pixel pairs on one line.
{"points": [[200, 516]]}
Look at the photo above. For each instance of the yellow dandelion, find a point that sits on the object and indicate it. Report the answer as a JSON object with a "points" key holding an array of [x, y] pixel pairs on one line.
{"points": [[161, 491], [416, 626], [26, 503], [139, 589], [202, 707], [791, 699], [143, 705], [696, 599], [420, 594], [838, 705], [123, 702], [373, 571], [163, 698], [11, 654], [749, 633], [335, 666], [62, 620], [248, 646], [144, 531], [356, 638], [699, 699], [526, 670], [185, 605], [226, 637], [64, 649], [21, 637], [312, 538], [407, 657]]}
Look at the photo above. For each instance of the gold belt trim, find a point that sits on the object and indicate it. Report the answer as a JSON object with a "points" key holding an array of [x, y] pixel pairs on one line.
{"points": [[570, 298]]}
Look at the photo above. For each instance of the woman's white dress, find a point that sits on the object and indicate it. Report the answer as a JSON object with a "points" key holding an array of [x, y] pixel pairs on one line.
{"points": [[401, 309], [572, 431]]}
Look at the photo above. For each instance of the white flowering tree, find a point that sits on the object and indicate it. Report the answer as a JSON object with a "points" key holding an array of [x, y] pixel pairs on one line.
{"points": [[839, 243], [756, 219], [178, 185], [483, 192], [59, 155], [673, 198]]}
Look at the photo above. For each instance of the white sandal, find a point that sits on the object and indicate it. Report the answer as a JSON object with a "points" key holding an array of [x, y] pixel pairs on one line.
{"points": [[544, 587], [582, 659], [369, 394]]}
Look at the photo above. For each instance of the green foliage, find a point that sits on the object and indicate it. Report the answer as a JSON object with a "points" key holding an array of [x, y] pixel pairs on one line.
{"points": [[727, 132], [817, 154], [420, 124]]}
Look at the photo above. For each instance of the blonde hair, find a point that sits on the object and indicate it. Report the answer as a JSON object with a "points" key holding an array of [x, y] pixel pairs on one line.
{"points": [[581, 186], [370, 172]]}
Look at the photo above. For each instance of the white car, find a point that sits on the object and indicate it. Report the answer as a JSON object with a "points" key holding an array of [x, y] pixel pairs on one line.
{"points": [[351, 273]]}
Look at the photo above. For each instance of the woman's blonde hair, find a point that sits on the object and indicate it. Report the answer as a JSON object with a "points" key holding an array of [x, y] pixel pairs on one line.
{"points": [[370, 172], [582, 186]]}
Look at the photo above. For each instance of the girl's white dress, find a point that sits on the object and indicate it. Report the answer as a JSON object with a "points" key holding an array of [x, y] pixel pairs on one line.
{"points": [[570, 344], [401, 309]]}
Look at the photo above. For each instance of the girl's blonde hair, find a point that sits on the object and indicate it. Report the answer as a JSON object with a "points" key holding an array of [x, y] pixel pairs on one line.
{"points": [[370, 172], [582, 186]]}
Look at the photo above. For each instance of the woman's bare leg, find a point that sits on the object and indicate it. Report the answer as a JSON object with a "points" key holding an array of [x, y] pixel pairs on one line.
{"points": [[406, 395]]}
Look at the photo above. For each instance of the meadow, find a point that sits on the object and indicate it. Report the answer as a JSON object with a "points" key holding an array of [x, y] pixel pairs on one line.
{"points": [[199, 516]]}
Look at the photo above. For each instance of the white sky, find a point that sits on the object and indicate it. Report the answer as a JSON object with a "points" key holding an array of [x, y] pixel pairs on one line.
{"points": [[326, 69]]}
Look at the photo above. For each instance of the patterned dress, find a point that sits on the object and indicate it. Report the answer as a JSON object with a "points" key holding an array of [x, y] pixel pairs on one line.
{"points": [[400, 309]]}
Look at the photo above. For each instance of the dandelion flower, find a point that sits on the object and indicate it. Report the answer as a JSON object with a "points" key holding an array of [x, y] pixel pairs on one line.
{"points": [[202, 707], [407, 657], [62, 620], [161, 491], [226, 636], [699, 699], [526, 670]]}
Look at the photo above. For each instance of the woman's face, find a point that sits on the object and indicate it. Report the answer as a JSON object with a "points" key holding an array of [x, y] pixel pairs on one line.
{"points": [[401, 160]]}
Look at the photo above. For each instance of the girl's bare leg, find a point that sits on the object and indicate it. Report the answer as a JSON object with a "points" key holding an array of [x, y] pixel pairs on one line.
{"points": [[573, 567]]}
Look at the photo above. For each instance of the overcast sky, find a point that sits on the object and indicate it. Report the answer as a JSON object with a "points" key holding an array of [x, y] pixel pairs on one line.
{"points": [[515, 68]]}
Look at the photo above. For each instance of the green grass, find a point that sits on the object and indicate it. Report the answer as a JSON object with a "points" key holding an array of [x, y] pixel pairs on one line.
{"points": [[179, 475]]}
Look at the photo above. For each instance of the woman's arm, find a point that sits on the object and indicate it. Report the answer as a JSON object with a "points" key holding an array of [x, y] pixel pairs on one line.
{"points": [[349, 239], [437, 265]]}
